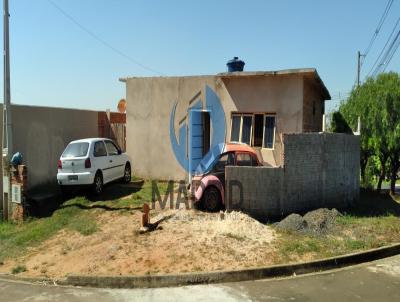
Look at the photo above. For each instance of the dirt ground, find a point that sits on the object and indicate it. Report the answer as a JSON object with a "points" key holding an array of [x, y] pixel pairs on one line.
{"points": [[184, 241]]}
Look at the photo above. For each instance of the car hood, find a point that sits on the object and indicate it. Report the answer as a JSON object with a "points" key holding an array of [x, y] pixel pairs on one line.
{"points": [[209, 159]]}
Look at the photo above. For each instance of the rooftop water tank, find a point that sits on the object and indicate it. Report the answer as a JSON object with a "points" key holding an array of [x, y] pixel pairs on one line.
{"points": [[235, 65]]}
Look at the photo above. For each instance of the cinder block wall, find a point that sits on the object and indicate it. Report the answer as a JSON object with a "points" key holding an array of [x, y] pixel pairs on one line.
{"points": [[320, 170]]}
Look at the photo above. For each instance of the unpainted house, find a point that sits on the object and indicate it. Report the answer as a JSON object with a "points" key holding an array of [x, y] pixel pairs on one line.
{"points": [[173, 122]]}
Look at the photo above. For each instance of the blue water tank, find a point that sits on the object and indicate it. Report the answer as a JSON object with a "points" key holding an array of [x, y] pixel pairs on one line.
{"points": [[235, 65]]}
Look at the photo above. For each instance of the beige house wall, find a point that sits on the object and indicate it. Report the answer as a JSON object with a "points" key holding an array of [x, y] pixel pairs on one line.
{"points": [[151, 100], [282, 96], [149, 104]]}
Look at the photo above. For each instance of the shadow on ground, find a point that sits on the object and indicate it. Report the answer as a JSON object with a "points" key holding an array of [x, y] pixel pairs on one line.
{"points": [[372, 204], [44, 204], [116, 191]]}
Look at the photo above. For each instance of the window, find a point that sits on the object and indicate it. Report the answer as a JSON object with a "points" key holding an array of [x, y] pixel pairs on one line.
{"points": [[227, 159], [111, 148], [99, 149], [243, 159], [257, 130], [269, 131], [76, 150], [235, 131], [247, 123], [254, 161], [241, 128]]}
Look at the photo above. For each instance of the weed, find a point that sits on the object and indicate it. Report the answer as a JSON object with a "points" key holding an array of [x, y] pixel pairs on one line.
{"points": [[235, 236], [18, 269]]}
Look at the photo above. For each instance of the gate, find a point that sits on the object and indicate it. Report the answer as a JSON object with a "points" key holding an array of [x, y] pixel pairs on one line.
{"points": [[113, 125]]}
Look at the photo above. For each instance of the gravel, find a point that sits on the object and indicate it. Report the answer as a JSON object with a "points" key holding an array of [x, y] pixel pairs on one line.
{"points": [[317, 222]]}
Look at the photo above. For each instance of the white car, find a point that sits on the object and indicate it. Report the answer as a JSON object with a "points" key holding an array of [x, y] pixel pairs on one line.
{"points": [[92, 161]]}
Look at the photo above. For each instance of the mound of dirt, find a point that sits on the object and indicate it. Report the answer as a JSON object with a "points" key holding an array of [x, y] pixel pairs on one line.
{"points": [[317, 222], [182, 241]]}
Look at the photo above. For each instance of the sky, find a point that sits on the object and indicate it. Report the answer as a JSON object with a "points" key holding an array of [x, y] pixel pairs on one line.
{"points": [[74, 59]]}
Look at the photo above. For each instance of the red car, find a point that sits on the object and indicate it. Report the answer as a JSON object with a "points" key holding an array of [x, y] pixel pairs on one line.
{"points": [[209, 185]]}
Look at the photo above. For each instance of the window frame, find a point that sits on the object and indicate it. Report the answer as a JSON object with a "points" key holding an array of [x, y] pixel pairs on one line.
{"points": [[252, 114], [273, 140], [241, 115]]}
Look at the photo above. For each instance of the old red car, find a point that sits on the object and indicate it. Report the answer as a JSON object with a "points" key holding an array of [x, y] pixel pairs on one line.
{"points": [[208, 185]]}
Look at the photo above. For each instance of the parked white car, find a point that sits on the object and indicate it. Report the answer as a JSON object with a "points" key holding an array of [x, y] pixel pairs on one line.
{"points": [[94, 162]]}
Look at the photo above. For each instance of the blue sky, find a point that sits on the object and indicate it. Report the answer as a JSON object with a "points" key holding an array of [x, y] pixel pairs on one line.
{"points": [[56, 63]]}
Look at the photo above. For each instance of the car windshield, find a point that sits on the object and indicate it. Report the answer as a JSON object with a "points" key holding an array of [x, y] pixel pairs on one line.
{"points": [[76, 150]]}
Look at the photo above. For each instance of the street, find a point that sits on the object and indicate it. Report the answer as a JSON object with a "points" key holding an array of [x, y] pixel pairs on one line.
{"points": [[374, 281]]}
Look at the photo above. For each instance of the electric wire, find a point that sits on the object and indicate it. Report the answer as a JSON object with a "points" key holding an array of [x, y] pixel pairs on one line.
{"points": [[100, 40]]}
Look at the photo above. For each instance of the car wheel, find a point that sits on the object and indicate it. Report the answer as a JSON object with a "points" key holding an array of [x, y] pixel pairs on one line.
{"points": [[98, 184], [212, 199], [127, 174]]}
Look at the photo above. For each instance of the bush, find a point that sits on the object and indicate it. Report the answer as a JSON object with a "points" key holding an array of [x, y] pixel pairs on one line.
{"points": [[339, 124]]}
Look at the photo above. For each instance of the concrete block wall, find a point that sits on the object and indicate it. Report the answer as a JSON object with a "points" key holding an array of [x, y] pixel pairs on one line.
{"points": [[319, 170]]}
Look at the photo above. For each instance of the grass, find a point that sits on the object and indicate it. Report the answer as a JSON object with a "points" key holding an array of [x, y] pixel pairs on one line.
{"points": [[373, 222], [235, 236], [18, 269], [77, 214]]}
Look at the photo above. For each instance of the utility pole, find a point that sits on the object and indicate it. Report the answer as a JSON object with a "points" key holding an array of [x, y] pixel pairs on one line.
{"points": [[358, 68], [359, 55], [7, 126]]}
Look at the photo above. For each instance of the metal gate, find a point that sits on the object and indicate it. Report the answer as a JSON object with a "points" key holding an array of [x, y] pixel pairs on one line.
{"points": [[113, 125]]}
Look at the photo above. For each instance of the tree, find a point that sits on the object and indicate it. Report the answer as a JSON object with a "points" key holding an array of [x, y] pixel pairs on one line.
{"points": [[377, 103]]}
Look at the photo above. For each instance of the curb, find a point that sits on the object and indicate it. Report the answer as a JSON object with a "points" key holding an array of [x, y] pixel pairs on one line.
{"points": [[153, 281], [231, 276]]}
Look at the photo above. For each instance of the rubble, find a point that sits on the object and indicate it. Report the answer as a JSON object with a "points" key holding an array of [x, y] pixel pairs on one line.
{"points": [[317, 222]]}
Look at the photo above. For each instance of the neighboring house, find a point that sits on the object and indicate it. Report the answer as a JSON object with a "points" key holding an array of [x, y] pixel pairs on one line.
{"points": [[173, 123]]}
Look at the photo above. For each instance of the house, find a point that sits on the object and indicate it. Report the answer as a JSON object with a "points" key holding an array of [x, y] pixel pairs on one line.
{"points": [[174, 122]]}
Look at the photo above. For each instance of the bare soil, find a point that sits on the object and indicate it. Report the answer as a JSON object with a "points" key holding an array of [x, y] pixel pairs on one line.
{"points": [[184, 241]]}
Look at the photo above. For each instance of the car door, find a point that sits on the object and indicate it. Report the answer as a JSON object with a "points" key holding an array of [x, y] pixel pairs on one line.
{"points": [[115, 160], [218, 170], [100, 160]]}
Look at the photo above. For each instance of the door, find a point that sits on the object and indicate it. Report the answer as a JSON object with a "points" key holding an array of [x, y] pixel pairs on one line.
{"points": [[116, 166], [199, 138], [100, 160], [227, 159]]}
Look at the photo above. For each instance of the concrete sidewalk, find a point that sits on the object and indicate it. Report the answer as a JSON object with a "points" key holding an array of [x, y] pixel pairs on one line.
{"points": [[374, 281]]}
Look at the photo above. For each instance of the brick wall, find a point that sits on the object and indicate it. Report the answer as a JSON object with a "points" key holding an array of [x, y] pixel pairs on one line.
{"points": [[320, 170]]}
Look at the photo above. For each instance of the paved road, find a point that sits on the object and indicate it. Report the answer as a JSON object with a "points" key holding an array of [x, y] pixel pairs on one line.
{"points": [[375, 281]]}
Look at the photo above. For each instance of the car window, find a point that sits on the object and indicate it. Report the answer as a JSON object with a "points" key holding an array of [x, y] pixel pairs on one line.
{"points": [[111, 148], [99, 149], [243, 159], [254, 161], [227, 159], [76, 150]]}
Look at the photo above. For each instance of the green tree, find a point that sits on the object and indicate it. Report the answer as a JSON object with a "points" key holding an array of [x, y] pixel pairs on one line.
{"points": [[377, 103]]}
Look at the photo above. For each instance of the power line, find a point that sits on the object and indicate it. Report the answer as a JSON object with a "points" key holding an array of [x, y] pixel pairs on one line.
{"points": [[378, 28], [384, 47], [388, 55], [96, 37]]}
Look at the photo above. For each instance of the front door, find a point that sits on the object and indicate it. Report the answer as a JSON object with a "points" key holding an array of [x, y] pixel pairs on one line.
{"points": [[199, 138]]}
